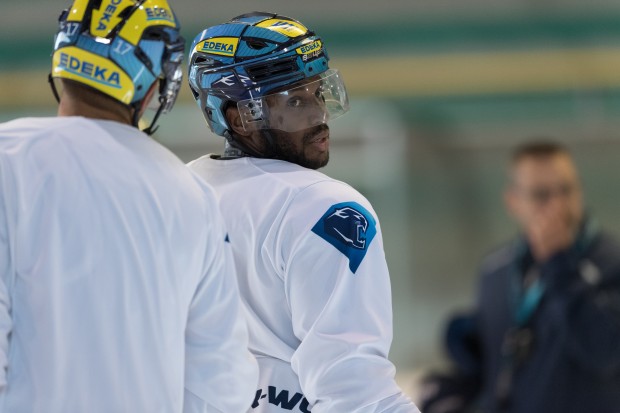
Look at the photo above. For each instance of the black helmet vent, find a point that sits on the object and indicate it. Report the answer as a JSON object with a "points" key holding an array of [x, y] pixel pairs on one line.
{"points": [[256, 44], [266, 70]]}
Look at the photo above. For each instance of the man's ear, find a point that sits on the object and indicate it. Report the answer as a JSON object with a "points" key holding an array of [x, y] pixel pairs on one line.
{"points": [[233, 117], [148, 97]]}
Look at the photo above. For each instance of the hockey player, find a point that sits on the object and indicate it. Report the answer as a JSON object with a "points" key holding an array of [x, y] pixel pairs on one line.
{"points": [[307, 248], [117, 289]]}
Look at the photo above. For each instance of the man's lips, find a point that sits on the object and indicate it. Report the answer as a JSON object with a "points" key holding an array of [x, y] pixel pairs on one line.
{"points": [[320, 136]]}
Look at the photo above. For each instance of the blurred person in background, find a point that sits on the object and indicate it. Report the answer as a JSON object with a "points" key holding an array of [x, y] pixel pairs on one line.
{"points": [[308, 248], [117, 289], [545, 333]]}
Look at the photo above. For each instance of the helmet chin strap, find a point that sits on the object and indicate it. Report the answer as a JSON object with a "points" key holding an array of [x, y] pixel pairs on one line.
{"points": [[50, 79], [231, 151], [152, 128], [236, 149]]}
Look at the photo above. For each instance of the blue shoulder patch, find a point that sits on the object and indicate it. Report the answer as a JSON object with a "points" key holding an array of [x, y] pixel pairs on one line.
{"points": [[350, 228]]}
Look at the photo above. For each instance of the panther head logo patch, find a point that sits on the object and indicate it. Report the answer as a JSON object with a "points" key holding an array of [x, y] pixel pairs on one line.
{"points": [[348, 225], [350, 228]]}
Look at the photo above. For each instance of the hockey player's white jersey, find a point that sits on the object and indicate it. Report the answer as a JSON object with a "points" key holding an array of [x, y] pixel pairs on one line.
{"points": [[115, 294], [313, 275]]}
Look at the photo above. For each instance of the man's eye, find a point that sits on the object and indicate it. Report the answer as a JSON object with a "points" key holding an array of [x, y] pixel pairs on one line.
{"points": [[294, 102], [319, 94], [541, 195]]}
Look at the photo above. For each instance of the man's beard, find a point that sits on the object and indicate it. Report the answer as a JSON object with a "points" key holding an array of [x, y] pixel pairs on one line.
{"points": [[278, 146]]}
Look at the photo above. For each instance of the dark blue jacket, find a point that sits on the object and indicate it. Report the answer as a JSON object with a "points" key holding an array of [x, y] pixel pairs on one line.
{"points": [[572, 364]]}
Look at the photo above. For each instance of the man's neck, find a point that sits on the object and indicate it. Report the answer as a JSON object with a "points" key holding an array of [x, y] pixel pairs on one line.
{"points": [[72, 107]]}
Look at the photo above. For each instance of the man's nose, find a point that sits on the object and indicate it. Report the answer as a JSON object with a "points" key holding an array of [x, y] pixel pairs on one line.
{"points": [[317, 113], [557, 202]]}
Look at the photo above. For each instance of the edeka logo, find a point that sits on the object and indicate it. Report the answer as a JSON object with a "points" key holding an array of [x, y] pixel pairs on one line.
{"points": [[218, 47], [158, 13], [90, 71], [281, 399], [109, 11], [226, 46], [311, 50], [309, 47], [106, 17]]}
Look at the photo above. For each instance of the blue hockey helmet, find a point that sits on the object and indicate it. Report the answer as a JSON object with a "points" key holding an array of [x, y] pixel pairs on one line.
{"points": [[120, 48], [252, 60]]}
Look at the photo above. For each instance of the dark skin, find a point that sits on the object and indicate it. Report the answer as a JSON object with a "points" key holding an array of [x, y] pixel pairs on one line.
{"points": [[308, 147]]}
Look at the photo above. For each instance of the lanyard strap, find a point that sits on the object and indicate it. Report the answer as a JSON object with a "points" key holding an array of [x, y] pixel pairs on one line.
{"points": [[527, 301]]}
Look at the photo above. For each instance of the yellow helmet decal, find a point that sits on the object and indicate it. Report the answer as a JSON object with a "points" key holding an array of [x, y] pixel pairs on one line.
{"points": [[150, 13], [225, 46], [76, 14], [105, 19], [309, 48], [286, 27], [93, 70]]}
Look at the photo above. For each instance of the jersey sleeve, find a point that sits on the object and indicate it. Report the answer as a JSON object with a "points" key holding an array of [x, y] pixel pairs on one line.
{"points": [[6, 275], [338, 291], [221, 374]]}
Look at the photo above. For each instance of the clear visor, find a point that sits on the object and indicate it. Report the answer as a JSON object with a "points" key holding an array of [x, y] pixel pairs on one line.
{"points": [[316, 101]]}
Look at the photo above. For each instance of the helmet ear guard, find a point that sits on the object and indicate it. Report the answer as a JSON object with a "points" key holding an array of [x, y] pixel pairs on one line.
{"points": [[120, 48]]}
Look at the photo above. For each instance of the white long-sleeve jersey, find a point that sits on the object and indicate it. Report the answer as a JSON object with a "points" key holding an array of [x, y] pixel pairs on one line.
{"points": [[313, 275], [117, 293]]}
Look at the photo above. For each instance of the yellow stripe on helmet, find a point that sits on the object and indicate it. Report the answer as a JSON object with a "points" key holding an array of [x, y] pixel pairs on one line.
{"points": [[76, 14], [150, 13], [286, 27]]}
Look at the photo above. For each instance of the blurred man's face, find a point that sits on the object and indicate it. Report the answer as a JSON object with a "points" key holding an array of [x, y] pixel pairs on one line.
{"points": [[545, 186]]}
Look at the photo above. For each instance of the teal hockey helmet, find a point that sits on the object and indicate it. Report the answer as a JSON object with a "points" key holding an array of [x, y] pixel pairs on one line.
{"points": [[254, 59]]}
